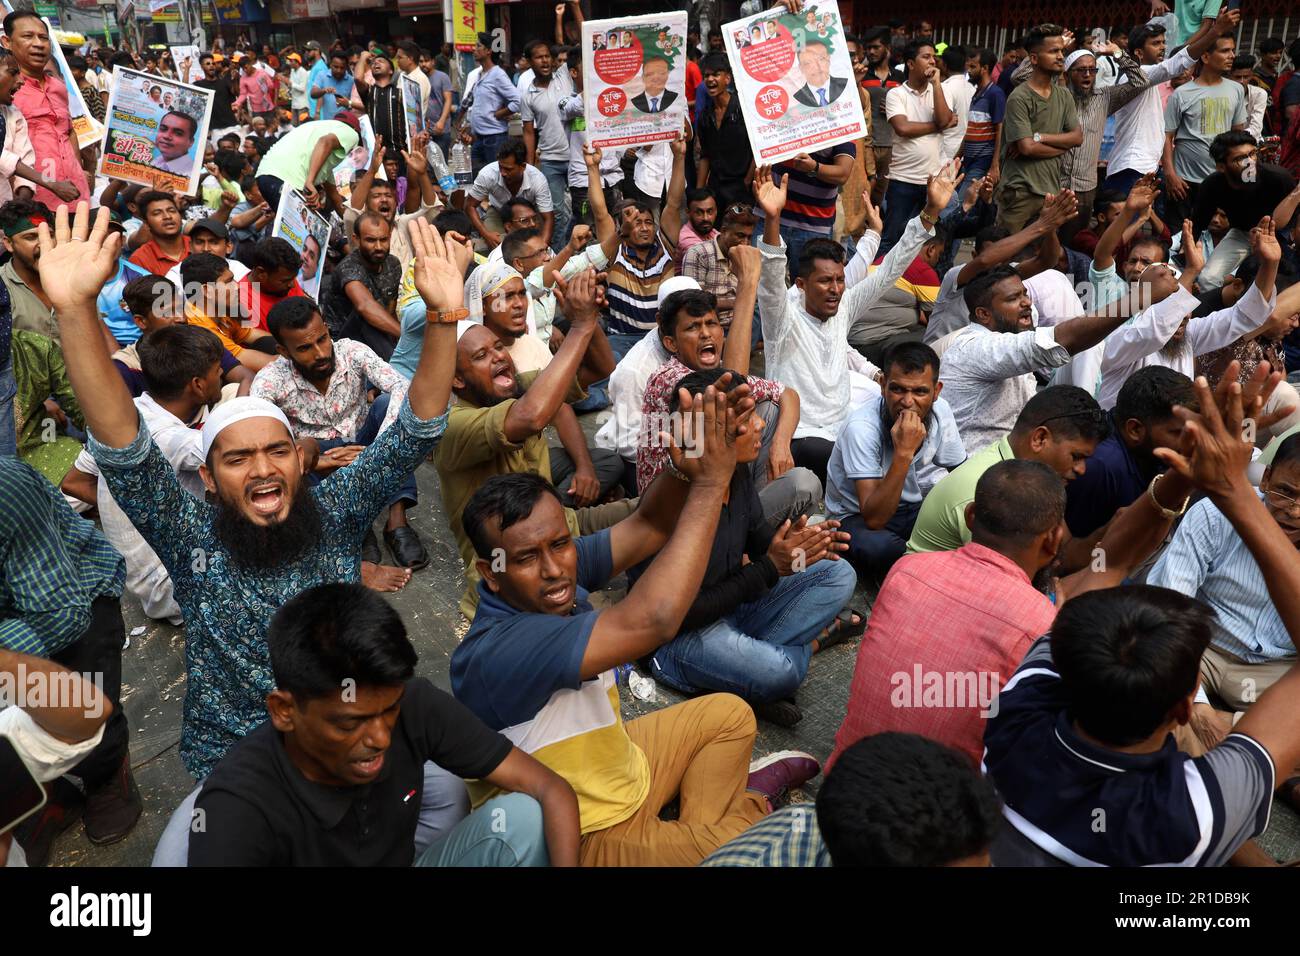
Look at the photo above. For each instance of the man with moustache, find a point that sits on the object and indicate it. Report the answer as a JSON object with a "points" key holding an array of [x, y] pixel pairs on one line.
{"points": [[360, 301], [323, 388], [268, 533]]}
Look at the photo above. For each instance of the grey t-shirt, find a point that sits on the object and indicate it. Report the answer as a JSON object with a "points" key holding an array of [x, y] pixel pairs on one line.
{"points": [[541, 107], [949, 313], [439, 84], [1195, 114]]}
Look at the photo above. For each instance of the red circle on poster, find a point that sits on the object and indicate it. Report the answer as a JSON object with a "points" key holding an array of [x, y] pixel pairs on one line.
{"points": [[619, 64], [772, 102], [771, 59], [611, 102]]}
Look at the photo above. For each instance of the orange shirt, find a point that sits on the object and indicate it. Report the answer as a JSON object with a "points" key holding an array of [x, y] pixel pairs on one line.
{"points": [[231, 332], [150, 257]]}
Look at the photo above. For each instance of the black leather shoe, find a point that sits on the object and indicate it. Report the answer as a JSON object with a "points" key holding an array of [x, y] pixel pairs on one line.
{"points": [[62, 809], [370, 548], [407, 548], [113, 808]]}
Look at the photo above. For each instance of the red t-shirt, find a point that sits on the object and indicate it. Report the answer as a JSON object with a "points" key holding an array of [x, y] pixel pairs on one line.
{"points": [[256, 303]]}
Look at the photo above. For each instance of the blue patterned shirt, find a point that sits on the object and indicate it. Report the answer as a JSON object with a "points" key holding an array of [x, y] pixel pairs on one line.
{"points": [[227, 608]]}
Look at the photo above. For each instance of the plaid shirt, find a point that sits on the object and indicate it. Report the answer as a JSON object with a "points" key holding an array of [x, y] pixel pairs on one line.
{"points": [[705, 263], [55, 564], [651, 456], [788, 837], [971, 612]]}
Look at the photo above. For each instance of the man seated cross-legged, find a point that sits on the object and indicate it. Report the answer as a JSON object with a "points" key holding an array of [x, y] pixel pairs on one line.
{"points": [[539, 662]]}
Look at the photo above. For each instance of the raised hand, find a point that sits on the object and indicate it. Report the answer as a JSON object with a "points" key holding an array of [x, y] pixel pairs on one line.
{"points": [[591, 155], [871, 215], [941, 186], [769, 196], [579, 238], [577, 297], [746, 262], [1263, 241], [377, 154], [439, 274], [1059, 208], [1193, 254], [706, 421], [77, 260], [416, 162], [1142, 195]]}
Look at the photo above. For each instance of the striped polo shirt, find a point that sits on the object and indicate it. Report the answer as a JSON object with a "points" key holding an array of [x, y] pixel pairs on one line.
{"points": [[633, 292], [810, 203]]}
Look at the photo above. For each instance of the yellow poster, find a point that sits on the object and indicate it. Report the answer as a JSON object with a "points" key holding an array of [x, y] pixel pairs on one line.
{"points": [[470, 21]]}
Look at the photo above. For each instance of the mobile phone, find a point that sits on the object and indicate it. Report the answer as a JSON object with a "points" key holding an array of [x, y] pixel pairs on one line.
{"points": [[1234, 4], [21, 794]]}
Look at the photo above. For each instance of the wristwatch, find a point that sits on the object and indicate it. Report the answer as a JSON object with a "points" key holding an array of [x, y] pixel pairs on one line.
{"points": [[1038, 137], [447, 317]]}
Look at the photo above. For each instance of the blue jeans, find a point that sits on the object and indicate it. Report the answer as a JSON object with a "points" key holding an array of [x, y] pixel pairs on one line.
{"points": [[902, 202], [505, 831], [8, 431], [1122, 179], [760, 651], [557, 177], [874, 551], [484, 149], [620, 343], [369, 432]]}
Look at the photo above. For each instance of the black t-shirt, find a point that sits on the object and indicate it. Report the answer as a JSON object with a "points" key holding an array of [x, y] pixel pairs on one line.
{"points": [[222, 113], [343, 319], [1244, 207], [257, 809], [725, 144]]}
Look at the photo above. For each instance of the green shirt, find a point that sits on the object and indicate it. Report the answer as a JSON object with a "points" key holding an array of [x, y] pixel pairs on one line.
{"points": [[1027, 114], [941, 522], [39, 373], [289, 160], [1190, 13]]}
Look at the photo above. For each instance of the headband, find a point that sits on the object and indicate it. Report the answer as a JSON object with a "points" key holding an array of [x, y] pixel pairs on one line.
{"points": [[25, 224]]}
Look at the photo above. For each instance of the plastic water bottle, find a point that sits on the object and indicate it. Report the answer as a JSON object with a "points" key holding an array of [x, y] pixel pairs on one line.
{"points": [[461, 167], [441, 172]]}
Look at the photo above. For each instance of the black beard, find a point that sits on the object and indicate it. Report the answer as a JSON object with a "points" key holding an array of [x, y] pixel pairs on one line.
{"points": [[266, 547], [482, 399]]}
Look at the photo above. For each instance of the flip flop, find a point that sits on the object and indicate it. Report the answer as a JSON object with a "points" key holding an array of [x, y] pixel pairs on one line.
{"points": [[847, 630]]}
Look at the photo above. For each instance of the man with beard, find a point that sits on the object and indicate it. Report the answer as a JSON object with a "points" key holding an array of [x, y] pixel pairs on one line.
{"points": [[1060, 427], [360, 300], [382, 99], [889, 453], [1117, 473], [976, 610], [323, 388], [1164, 334], [223, 95], [370, 194], [497, 424], [268, 534], [988, 367]]}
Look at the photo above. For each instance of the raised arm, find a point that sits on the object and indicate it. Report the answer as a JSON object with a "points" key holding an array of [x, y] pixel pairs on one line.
{"points": [[76, 261], [1140, 198], [1057, 210], [670, 220], [606, 229], [746, 266], [440, 264]]}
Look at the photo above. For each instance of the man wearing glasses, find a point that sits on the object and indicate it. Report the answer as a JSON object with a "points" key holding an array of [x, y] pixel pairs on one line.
{"points": [[1093, 105]]}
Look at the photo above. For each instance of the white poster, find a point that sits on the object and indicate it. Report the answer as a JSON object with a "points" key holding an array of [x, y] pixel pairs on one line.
{"points": [[309, 234], [795, 81], [634, 79], [411, 111], [186, 60], [357, 161], [157, 131]]}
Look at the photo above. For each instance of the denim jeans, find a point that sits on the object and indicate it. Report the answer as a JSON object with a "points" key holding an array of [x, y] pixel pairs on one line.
{"points": [[506, 831], [484, 149], [760, 651], [1122, 179], [902, 202], [874, 551], [8, 431], [557, 177], [408, 492], [620, 343]]}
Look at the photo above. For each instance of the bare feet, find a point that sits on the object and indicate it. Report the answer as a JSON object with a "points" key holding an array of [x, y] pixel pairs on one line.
{"points": [[382, 577]]}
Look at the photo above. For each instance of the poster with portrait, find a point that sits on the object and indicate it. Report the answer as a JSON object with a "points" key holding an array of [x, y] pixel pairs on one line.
{"points": [[309, 234], [357, 161], [157, 130], [186, 61], [634, 79], [411, 107], [795, 80]]}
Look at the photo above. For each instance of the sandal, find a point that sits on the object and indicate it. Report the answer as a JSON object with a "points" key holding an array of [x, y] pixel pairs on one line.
{"points": [[846, 630]]}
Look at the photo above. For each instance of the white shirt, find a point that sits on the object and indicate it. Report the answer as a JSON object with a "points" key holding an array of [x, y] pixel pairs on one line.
{"points": [[988, 377], [491, 186], [1140, 123], [237, 269], [18, 149], [1140, 342], [810, 355], [621, 431], [298, 88], [653, 164], [1055, 300], [914, 159], [1256, 106], [957, 93], [146, 578]]}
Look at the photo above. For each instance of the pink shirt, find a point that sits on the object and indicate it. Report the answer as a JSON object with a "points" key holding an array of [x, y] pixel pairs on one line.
{"points": [[257, 90], [49, 126], [689, 237], [948, 629]]}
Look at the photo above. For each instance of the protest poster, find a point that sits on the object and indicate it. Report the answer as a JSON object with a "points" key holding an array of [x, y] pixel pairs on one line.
{"points": [[157, 130], [412, 107], [186, 60], [795, 80], [84, 126], [357, 161], [309, 234], [634, 79]]}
